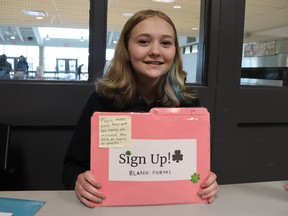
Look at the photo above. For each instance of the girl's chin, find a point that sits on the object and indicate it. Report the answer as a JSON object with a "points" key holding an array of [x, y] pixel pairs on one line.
{"points": [[152, 76]]}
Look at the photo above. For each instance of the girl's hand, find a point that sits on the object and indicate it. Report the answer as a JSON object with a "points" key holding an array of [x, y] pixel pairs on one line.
{"points": [[209, 188], [87, 190]]}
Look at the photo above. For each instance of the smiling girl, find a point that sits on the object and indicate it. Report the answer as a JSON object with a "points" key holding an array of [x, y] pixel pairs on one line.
{"points": [[146, 72]]}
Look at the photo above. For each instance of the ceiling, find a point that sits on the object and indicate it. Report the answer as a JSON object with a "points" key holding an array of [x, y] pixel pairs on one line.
{"points": [[265, 19]]}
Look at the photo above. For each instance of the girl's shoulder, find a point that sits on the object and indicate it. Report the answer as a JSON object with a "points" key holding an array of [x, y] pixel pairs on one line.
{"points": [[193, 103], [99, 103]]}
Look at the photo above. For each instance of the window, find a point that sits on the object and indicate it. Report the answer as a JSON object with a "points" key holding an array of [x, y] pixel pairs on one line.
{"points": [[44, 32], [265, 44], [51, 33]]}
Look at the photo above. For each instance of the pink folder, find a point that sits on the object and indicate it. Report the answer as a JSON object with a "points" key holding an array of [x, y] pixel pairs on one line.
{"points": [[154, 158]]}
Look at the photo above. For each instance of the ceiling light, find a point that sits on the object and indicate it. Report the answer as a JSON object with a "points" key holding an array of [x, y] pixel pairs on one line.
{"points": [[35, 13], [177, 7], [128, 14], [164, 1]]}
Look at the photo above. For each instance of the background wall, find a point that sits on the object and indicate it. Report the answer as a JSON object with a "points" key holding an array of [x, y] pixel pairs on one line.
{"points": [[42, 119]]}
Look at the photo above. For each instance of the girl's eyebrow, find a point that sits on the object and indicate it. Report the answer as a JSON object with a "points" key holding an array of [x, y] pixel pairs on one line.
{"points": [[149, 35]]}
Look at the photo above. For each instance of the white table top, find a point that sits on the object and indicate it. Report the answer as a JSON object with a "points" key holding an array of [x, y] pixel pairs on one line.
{"points": [[265, 199]]}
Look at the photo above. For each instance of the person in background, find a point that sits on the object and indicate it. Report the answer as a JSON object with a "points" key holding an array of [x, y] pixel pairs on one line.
{"points": [[145, 72], [78, 72], [22, 65], [5, 67]]}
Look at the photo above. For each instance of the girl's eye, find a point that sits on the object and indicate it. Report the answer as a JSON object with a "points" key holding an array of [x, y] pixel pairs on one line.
{"points": [[167, 43], [143, 42]]}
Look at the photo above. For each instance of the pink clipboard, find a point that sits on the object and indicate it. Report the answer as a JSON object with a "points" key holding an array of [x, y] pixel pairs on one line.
{"points": [[154, 158]]}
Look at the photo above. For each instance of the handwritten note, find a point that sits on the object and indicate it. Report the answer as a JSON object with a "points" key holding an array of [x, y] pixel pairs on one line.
{"points": [[114, 131]]}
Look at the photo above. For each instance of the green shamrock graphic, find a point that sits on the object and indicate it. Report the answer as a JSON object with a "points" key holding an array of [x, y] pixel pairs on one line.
{"points": [[195, 177], [128, 153]]}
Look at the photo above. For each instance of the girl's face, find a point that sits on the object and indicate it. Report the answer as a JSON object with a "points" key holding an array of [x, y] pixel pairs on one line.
{"points": [[151, 48]]}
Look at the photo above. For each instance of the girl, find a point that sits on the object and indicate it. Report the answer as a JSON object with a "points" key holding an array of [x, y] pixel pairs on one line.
{"points": [[145, 72]]}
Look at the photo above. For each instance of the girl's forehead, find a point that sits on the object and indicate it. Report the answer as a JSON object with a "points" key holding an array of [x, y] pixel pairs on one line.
{"points": [[153, 25], [154, 19]]}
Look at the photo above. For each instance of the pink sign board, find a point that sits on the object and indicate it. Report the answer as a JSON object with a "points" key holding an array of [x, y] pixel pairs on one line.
{"points": [[154, 158]]}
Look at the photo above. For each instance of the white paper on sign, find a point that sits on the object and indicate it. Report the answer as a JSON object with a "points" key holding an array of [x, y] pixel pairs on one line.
{"points": [[154, 160]]}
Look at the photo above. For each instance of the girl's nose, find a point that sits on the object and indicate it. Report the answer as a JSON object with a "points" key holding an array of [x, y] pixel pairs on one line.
{"points": [[155, 49]]}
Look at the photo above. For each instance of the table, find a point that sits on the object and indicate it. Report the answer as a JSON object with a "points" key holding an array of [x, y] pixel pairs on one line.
{"points": [[263, 198]]}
